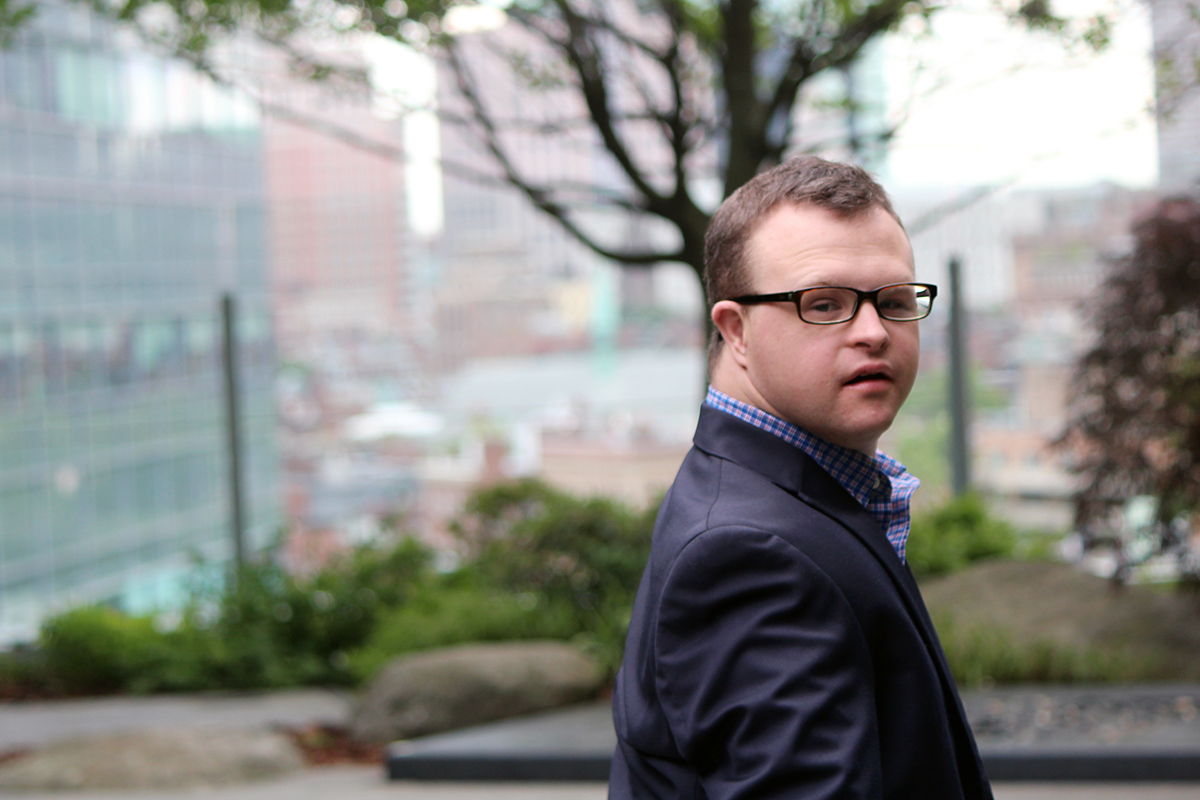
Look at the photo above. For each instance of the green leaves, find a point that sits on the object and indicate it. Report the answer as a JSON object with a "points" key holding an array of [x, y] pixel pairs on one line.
{"points": [[266, 629], [584, 556], [540, 564], [96, 649], [13, 16], [1094, 32], [1134, 424], [955, 535], [528, 537]]}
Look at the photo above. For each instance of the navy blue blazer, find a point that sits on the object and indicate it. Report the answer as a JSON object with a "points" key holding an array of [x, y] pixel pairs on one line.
{"points": [[779, 647]]}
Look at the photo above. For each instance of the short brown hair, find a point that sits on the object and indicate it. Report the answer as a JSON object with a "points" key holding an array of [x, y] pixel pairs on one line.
{"points": [[844, 189]]}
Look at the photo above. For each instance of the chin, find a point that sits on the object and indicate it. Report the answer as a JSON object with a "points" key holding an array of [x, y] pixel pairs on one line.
{"points": [[869, 435]]}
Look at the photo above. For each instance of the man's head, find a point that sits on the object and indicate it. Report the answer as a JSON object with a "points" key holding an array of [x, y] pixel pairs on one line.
{"points": [[842, 189], [811, 223]]}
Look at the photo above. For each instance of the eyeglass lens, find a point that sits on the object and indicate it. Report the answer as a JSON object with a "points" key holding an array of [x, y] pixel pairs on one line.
{"points": [[832, 304]]}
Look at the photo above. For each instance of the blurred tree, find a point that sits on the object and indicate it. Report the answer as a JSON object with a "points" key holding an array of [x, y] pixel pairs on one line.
{"points": [[1135, 418], [956, 534], [526, 536], [685, 99]]}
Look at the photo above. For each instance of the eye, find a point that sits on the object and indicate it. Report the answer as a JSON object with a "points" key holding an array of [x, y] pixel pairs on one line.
{"points": [[826, 305], [824, 299], [899, 299]]}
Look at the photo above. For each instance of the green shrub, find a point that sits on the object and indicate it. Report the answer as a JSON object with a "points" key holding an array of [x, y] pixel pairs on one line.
{"points": [[265, 629], [1037, 544], [96, 649], [458, 610], [539, 564], [955, 535], [528, 537], [263, 636], [584, 555], [275, 629], [23, 674]]}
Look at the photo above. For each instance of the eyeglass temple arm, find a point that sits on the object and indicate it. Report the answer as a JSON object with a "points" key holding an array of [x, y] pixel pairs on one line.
{"points": [[766, 298]]}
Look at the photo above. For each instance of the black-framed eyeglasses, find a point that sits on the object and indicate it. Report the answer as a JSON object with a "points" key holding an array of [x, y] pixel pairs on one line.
{"points": [[830, 305]]}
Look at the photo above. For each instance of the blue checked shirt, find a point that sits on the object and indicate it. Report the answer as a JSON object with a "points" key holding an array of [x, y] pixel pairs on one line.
{"points": [[881, 484]]}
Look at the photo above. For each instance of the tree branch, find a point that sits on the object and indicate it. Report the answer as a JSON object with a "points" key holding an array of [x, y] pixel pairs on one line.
{"points": [[846, 46], [584, 57], [539, 196]]}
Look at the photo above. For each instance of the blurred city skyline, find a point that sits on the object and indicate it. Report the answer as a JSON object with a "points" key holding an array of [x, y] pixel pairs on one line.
{"points": [[409, 334]]}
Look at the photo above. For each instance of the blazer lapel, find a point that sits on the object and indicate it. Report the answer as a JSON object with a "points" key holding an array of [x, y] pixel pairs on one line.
{"points": [[820, 490], [791, 469]]}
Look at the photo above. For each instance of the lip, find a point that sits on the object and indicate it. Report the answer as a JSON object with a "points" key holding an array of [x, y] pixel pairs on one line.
{"points": [[881, 372]]}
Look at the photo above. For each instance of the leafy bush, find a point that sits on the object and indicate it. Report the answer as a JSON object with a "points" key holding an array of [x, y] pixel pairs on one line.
{"points": [[23, 674], [528, 537], [539, 564], [96, 649], [275, 629], [457, 610], [265, 629], [585, 556], [955, 535]]}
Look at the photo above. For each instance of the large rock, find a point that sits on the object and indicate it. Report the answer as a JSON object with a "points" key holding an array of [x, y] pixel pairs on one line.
{"points": [[153, 760], [454, 687]]}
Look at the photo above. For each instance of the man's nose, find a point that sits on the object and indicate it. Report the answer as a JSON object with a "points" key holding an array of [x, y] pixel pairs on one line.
{"points": [[867, 327]]}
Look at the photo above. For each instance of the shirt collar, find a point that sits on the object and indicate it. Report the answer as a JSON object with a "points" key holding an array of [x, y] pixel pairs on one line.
{"points": [[864, 477]]}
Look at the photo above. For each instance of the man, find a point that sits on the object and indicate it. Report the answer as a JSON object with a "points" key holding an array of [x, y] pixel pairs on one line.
{"points": [[779, 647]]}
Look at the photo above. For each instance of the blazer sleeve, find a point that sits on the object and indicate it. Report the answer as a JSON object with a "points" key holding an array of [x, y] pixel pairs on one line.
{"points": [[764, 673]]}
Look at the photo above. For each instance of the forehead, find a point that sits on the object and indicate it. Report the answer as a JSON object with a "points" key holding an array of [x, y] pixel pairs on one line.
{"points": [[805, 245]]}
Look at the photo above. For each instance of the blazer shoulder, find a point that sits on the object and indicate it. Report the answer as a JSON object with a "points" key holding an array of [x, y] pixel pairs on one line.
{"points": [[747, 554], [716, 488]]}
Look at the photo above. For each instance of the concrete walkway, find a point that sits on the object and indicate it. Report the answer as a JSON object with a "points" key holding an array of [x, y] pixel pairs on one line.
{"points": [[367, 783], [33, 724], [38, 723]]}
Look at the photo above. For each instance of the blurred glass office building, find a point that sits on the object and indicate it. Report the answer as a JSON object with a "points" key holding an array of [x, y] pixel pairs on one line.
{"points": [[131, 196]]}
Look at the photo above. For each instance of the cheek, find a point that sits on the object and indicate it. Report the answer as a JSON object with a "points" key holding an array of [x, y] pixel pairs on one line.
{"points": [[909, 353], [776, 346], [801, 361]]}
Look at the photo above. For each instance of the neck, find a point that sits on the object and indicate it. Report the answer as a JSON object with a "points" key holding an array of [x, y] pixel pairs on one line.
{"points": [[730, 378]]}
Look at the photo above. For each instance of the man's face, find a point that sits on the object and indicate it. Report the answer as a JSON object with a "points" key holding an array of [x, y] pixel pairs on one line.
{"points": [[843, 382]]}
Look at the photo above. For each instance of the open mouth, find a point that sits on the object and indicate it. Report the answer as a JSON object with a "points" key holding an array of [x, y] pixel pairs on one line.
{"points": [[870, 376]]}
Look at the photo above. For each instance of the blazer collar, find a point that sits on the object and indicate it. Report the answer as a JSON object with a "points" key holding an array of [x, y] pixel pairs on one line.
{"points": [[787, 466], [790, 468]]}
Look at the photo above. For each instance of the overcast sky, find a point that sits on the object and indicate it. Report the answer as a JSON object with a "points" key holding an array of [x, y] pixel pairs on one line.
{"points": [[1013, 104], [983, 102]]}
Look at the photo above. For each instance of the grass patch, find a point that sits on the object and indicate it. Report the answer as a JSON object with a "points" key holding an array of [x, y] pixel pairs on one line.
{"points": [[1016, 621], [987, 656]]}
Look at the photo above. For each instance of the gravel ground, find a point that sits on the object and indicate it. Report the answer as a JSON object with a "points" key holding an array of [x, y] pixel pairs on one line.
{"points": [[1147, 715]]}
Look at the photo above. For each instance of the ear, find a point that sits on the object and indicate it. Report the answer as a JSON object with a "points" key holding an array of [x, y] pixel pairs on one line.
{"points": [[730, 319]]}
